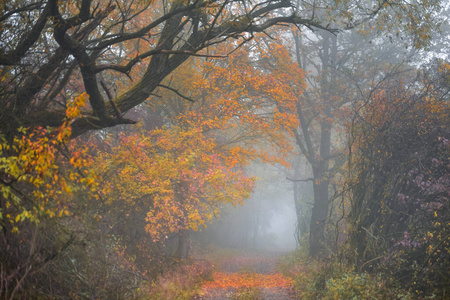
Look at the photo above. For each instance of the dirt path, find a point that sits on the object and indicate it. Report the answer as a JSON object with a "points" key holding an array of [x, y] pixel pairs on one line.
{"points": [[248, 276]]}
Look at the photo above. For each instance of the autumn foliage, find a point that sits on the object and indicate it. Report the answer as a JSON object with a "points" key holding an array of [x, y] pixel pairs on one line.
{"points": [[174, 176], [244, 101], [182, 173], [35, 161]]}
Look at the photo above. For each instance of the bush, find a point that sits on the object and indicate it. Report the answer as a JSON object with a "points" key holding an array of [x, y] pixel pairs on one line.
{"points": [[334, 280], [400, 187], [360, 286]]}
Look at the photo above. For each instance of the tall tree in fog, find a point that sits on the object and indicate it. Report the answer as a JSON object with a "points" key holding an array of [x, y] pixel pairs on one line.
{"points": [[342, 70], [316, 111]]}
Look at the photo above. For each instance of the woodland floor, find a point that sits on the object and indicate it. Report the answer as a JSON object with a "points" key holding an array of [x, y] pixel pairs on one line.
{"points": [[248, 276]]}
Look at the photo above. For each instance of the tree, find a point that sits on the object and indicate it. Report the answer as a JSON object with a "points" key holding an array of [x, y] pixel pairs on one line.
{"points": [[343, 71], [319, 105], [183, 173], [175, 177]]}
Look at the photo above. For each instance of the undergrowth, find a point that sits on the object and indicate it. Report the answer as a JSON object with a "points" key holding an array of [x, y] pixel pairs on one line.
{"points": [[181, 283], [333, 280]]}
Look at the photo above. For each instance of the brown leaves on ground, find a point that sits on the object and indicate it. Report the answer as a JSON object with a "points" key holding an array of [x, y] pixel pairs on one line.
{"points": [[248, 277], [240, 280]]}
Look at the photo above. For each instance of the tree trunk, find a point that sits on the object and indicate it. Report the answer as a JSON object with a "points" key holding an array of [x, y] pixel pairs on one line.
{"points": [[319, 215], [184, 244], [321, 175], [298, 208]]}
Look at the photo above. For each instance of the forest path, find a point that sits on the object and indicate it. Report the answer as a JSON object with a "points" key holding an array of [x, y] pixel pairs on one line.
{"points": [[248, 276]]}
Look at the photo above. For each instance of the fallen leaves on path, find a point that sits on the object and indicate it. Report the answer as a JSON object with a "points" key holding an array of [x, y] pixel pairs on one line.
{"points": [[240, 280], [245, 276]]}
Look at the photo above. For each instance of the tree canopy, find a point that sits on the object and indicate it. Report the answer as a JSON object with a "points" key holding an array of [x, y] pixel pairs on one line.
{"points": [[53, 50]]}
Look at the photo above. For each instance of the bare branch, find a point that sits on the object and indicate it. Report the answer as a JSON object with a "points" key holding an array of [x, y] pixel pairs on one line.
{"points": [[177, 92], [300, 180]]}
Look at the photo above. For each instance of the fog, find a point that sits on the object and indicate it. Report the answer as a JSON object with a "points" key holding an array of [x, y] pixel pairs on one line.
{"points": [[283, 226], [266, 221]]}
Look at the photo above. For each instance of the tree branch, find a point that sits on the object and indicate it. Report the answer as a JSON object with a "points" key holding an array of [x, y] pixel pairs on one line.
{"points": [[27, 40], [177, 92], [300, 180]]}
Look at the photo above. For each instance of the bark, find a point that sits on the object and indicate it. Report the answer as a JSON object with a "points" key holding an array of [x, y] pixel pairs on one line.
{"points": [[184, 244], [319, 215]]}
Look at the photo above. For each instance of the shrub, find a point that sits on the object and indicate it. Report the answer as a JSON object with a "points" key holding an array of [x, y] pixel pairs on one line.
{"points": [[334, 280], [360, 286]]}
